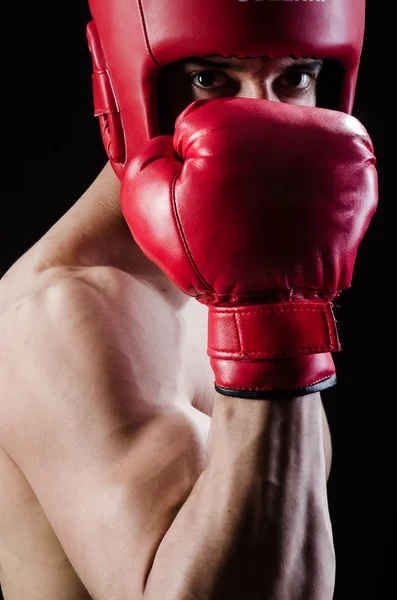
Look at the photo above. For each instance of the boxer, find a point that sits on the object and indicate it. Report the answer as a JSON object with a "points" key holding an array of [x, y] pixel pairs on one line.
{"points": [[143, 454]]}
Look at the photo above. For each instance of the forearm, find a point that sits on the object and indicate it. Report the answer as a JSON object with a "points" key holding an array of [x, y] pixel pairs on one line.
{"points": [[256, 523]]}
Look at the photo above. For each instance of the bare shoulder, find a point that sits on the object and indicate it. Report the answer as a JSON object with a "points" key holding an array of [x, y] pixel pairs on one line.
{"points": [[57, 299], [71, 341], [59, 303], [27, 288], [90, 415]]}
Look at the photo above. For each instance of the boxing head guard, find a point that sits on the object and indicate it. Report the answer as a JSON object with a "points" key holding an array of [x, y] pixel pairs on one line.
{"points": [[131, 40]]}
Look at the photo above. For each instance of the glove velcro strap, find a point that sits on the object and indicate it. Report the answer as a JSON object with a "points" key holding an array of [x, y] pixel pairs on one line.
{"points": [[271, 331]]}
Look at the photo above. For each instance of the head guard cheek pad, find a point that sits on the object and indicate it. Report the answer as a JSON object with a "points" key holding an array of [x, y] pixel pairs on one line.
{"points": [[131, 40]]}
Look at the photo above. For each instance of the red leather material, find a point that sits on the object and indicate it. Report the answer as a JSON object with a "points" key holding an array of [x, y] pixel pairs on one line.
{"points": [[105, 101], [298, 375], [257, 203], [254, 198], [276, 330], [245, 342], [139, 36]]}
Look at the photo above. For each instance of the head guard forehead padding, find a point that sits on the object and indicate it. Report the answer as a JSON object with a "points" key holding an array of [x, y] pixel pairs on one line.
{"points": [[130, 40]]}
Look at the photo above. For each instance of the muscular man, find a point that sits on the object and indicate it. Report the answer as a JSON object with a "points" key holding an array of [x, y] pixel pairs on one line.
{"points": [[124, 475]]}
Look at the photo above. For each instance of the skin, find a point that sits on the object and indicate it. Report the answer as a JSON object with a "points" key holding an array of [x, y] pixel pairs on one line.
{"points": [[281, 80], [124, 476]]}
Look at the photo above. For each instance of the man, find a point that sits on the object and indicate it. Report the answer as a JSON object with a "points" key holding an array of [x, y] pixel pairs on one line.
{"points": [[125, 476]]}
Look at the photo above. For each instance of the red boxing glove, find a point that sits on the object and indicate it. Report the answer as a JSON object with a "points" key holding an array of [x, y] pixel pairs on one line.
{"points": [[257, 209]]}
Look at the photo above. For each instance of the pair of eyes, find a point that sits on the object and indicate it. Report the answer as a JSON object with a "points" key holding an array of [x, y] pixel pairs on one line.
{"points": [[212, 80]]}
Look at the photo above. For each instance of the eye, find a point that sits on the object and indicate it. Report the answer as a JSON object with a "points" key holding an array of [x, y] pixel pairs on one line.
{"points": [[296, 79], [207, 79]]}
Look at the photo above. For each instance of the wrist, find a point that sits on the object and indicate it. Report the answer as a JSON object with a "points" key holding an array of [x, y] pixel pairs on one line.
{"points": [[240, 428]]}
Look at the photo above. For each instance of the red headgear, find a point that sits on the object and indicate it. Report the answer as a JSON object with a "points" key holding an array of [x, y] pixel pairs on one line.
{"points": [[130, 40]]}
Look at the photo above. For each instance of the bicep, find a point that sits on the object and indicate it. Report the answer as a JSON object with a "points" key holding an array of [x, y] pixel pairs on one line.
{"points": [[109, 468], [111, 506]]}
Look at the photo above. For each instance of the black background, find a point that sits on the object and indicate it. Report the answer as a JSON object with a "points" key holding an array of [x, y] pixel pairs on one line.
{"points": [[61, 151]]}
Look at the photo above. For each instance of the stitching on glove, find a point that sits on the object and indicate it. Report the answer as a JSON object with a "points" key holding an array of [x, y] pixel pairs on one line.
{"points": [[184, 241]]}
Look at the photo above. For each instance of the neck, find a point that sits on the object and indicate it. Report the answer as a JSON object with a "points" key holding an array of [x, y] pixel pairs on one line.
{"points": [[93, 232]]}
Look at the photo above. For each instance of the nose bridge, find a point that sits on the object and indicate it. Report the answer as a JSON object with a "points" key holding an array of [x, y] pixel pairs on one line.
{"points": [[258, 87], [257, 78]]}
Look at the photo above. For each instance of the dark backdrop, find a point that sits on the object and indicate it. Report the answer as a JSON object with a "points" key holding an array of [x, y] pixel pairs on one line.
{"points": [[62, 152]]}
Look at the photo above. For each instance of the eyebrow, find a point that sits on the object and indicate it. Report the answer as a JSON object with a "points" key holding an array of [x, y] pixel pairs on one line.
{"points": [[311, 65]]}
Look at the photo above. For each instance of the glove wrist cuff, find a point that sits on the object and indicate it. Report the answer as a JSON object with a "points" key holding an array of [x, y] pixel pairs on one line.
{"points": [[270, 379], [273, 350], [276, 330]]}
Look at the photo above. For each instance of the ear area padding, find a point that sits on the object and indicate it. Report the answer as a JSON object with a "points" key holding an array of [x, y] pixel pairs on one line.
{"points": [[106, 106]]}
